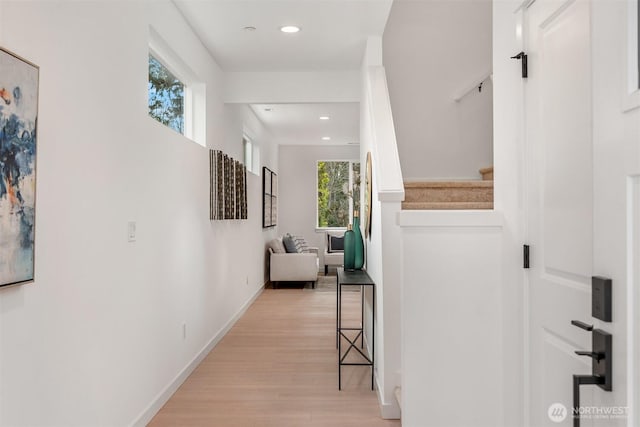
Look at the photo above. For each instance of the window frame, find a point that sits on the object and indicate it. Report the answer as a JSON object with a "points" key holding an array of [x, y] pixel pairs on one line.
{"points": [[187, 128], [351, 181], [252, 164]]}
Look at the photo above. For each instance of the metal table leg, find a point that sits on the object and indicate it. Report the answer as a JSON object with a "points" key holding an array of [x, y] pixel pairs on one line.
{"points": [[339, 292], [373, 332]]}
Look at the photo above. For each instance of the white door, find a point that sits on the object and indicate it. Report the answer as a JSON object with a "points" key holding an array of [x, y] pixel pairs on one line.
{"points": [[559, 210]]}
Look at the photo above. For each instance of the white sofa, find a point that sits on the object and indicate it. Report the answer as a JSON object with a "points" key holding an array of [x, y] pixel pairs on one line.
{"points": [[292, 267], [334, 259]]}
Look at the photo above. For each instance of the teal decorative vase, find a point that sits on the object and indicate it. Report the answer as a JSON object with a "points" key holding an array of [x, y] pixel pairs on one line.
{"points": [[349, 249], [358, 259]]}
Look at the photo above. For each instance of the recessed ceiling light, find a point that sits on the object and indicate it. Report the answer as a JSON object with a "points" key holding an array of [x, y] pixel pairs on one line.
{"points": [[324, 117], [326, 138], [289, 29], [249, 28]]}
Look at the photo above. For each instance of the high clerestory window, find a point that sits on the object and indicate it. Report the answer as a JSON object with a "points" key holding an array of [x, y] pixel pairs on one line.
{"points": [[251, 155], [166, 96], [177, 95]]}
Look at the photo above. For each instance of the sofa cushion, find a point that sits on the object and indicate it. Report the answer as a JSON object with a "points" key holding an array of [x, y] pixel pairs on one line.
{"points": [[289, 244], [336, 243], [277, 246]]}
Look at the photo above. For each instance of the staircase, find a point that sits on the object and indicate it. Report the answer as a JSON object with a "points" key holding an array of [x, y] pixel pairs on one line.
{"points": [[434, 195]]}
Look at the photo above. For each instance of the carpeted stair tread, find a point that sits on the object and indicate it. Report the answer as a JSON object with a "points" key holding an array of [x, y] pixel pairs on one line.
{"points": [[446, 205]]}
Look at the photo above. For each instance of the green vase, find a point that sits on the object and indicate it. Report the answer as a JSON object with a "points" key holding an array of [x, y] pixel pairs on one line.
{"points": [[358, 259], [349, 249]]}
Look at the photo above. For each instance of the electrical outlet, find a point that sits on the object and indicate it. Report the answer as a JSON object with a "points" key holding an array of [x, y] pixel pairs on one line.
{"points": [[131, 231]]}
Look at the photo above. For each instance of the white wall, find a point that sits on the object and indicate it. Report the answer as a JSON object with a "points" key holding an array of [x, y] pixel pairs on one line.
{"points": [[97, 339], [451, 319], [432, 51], [384, 245], [297, 181]]}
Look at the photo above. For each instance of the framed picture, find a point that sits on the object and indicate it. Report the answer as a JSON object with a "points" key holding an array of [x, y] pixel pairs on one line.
{"points": [[368, 197], [227, 188], [18, 133], [269, 198]]}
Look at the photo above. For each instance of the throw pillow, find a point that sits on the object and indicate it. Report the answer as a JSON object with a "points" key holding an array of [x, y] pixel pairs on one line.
{"points": [[289, 244], [276, 246], [301, 244], [336, 243]]}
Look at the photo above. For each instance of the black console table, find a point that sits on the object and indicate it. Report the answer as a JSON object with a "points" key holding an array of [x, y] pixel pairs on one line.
{"points": [[362, 279]]}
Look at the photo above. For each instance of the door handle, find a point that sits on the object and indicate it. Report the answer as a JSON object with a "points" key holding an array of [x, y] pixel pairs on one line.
{"points": [[582, 325], [592, 354], [579, 380], [601, 372]]}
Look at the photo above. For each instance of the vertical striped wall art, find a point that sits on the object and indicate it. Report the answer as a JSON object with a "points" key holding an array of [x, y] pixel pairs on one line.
{"points": [[228, 187]]}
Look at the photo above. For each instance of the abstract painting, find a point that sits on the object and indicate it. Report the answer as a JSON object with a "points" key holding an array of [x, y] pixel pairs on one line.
{"points": [[18, 120]]}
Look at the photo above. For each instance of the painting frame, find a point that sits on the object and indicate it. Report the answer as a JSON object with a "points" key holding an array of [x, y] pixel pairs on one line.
{"points": [[368, 199], [19, 99], [269, 198]]}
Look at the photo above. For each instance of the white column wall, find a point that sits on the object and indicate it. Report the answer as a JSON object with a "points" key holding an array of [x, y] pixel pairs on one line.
{"points": [[383, 247], [452, 302]]}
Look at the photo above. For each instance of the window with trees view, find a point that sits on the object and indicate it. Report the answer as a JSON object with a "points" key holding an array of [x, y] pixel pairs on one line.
{"points": [[338, 193], [166, 96]]}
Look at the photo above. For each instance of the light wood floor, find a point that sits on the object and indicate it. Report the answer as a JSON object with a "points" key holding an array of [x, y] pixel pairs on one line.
{"points": [[278, 367]]}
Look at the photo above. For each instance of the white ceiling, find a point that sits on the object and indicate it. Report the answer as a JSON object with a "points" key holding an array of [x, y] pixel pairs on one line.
{"points": [[299, 124], [333, 33], [333, 37]]}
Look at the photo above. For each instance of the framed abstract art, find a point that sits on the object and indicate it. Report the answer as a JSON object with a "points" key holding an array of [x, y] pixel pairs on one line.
{"points": [[18, 137]]}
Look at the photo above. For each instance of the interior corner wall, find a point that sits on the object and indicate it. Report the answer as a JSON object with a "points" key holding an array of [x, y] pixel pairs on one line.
{"points": [[98, 337], [433, 50], [297, 181]]}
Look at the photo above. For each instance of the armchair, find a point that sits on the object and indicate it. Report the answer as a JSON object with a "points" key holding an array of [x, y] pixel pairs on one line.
{"points": [[333, 250]]}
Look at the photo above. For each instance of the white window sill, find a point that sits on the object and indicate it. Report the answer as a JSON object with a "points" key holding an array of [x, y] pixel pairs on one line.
{"points": [[325, 229]]}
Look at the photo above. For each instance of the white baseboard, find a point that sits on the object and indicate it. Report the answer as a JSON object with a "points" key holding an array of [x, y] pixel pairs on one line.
{"points": [[145, 417], [388, 410]]}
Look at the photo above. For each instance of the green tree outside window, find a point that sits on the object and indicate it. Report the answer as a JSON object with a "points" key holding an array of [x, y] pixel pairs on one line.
{"points": [[166, 96], [338, 189]]}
